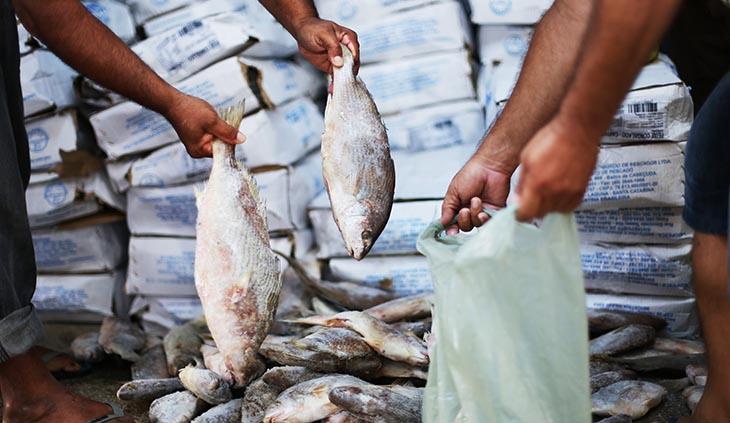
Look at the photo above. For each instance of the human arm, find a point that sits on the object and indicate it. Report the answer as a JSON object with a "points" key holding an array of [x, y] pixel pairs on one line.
{"points": [[319, 40], [559, 160], [88, 46], [543, 81]]}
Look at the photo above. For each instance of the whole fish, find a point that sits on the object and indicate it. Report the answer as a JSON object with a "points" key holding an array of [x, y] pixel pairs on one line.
{"points": [[229, 412], [340, 342], [381, 337], [697, 374], [121, 337], [151, 364], [262, 392], [308, 401], [633, 398], [149, 389], [602, 321], [412, 307], [623, 339], [664, 354], [236, 273], [356, 164], [285, 377], [692, 395], [178, 407], [206, 385], [352, 296], [86, 348], [377, 403], [182, 344], [601, 380], [394, 369]]}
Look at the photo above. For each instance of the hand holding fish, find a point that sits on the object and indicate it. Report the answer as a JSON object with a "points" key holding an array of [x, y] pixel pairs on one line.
{"points": [[319, 42]]}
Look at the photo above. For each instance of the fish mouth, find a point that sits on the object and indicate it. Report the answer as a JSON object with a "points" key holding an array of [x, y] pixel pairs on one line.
{"points": [[363, 248]]}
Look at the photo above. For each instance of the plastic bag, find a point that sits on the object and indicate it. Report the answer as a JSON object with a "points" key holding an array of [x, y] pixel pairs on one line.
{"points": [[510, 327]]}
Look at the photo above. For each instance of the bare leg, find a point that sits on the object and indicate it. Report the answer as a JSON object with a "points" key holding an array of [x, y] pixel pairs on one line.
{"points": [[32, 395]]}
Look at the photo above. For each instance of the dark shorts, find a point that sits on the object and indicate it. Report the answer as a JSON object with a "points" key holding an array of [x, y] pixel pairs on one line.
{"points": [[707, 164]]}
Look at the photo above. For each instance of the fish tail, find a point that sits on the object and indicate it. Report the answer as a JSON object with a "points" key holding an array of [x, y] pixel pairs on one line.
{"points": [[224, 152], [347, 57]]}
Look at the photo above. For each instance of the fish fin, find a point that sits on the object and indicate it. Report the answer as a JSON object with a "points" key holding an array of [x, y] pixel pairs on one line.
{"points": [[233, 115], [254, 190], [298, 269]]}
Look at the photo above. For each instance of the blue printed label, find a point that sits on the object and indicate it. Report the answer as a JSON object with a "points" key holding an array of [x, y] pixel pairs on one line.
{"points": [[37, 139], [500, 7], [55, 193]]}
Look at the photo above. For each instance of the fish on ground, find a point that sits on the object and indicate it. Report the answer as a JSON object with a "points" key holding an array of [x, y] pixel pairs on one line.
{"points": [[666, 353], [182, 344], [419, 328], [308, 401], [229, 412], [633, 398], [340, 342], [86, 348], [378, 403], [692, 395], [395, 369], [178, 407], [121, 337], [358, 171], [697, 374], [236, 273], [406, 308], [596, 366], [621, 418], [262, 392], [601, 380], [149, 389], [205, 384], [623, 339], [284, 377], [151, 364], [344, 417], [602, 321]]}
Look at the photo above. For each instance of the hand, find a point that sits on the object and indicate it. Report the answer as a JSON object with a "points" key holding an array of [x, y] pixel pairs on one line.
{"points": [[319, 42], [198, 124], [557, 165], [477, 184]]}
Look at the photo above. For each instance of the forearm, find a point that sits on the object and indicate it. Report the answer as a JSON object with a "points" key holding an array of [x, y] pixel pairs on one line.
{"points": [[290, 13], [83, 42], [546, 74], [622, 35]]}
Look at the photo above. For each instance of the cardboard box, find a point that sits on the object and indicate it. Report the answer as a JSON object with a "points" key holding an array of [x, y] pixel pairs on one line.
{"points": [[354, 13], [419, 81], [146, 9], [46, 81], [96, 244], [437, 126], [407, 221], [503, 43], [680, 313], [650, 225], [48, 135], [508, 12], [432, 28], [172, 211], [638, 269], [76, 298], [116, 15], [410, 274]]}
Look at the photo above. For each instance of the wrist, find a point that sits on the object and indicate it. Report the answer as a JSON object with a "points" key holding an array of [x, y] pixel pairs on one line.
{"points": [[303, 21], [498, 154], [578, 127]]}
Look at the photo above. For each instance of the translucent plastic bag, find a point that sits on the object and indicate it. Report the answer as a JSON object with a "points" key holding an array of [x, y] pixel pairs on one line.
{"points": [[510, 327]]}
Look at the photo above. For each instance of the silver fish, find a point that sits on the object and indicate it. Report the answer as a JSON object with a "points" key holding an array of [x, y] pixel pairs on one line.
{"points": [[384, 339], [236, 273], [182, 344], [633, 398], [412, 307], [121, 337], [697, 374], [86, 348], [602, 380], [602, 321], [308, 401], [340, 342], [664, 354], [206, 385], [285, 377], [692, 395], [151, 364], [179, 407], [378, 403], [623, 339], [394, 369], [356, 164], [149, 389], [229, 412]]}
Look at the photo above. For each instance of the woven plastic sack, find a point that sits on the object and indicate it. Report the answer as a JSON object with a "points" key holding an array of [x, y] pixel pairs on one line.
{"points": [[510, 327]]}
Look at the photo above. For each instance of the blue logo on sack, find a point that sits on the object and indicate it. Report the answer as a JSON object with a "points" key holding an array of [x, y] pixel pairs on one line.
{"points": [[347, 10], [500, 7], [515, 45], [98, 11], [37, 139], [55, 193], [150, 180]]}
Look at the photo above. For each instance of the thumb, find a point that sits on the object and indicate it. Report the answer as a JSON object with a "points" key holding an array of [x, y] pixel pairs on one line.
{"points": [[225, 132], [332, 43]]}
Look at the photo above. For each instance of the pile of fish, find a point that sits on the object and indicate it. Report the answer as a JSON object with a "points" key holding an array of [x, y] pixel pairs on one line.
{"points": [[625, 347]]}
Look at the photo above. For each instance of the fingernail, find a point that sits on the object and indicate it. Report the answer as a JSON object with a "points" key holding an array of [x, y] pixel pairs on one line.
{"points": [[240, 138], [337, 61], [483, 217]]}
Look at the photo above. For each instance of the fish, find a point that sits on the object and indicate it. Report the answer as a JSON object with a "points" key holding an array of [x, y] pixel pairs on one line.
{"points": [[394, 369], [387, 341], [412, 307], [666, 353], [358, 171], [283, 350], [294, 301], [418, 328], [342, 343], [258, 396], [692, 395], [149, 389], [623, 339], [121, 337], [344, 417], [86, 348], [178, 407], [633, 398], [621, 418], [229, 412], [205, 384], [323, 308], [237, 275], [697, 374], [151, 365], [182, 344], [602, 321], [377, 403], [604, 379], [600, 366], [308, 401], [284, 377]]}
